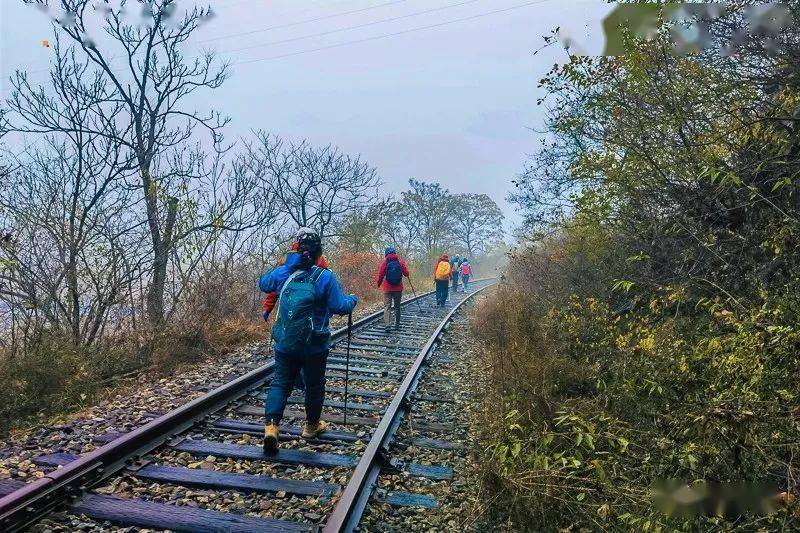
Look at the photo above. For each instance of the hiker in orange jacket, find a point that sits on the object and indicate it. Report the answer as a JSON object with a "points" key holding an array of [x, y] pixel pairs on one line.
{"points": [[441, 275]]}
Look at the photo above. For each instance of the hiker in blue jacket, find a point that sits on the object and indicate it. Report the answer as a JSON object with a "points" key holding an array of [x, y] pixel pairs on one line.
{"points": [[455, 270], [308, 296]]}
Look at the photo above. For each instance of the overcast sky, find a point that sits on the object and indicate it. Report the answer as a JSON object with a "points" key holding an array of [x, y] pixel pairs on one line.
{"points": [[455, 103]]}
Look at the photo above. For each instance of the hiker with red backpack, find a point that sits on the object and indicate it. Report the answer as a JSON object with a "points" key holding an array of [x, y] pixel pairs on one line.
{"points": [[308, 295], [390, 278], [466, 272]]}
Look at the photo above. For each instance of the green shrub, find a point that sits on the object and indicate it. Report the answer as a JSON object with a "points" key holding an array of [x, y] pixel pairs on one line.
{"points": [[588, 407]]}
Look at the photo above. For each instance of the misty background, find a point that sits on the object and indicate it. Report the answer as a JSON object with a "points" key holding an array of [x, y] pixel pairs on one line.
{"points": [[434, 90]]}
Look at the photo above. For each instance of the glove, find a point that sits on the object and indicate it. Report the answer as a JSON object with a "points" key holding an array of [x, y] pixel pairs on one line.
{"points": [[265, 315]]}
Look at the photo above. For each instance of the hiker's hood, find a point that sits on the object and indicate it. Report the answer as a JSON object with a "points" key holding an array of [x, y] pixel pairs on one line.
{"points": [[392, 256], [293, 260]]}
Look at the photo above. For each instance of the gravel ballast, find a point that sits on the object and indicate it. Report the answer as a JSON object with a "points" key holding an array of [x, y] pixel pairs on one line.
{"points": [[455, 375]]}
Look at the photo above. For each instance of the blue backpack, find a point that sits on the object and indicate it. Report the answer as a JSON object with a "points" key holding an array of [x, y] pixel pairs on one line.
{"points": [[294, 328], [394, 272]]}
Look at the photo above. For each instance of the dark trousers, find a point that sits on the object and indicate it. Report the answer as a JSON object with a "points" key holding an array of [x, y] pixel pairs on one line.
{"points": [[465, 279], [287, 368], [442, 289], [390, 298]]}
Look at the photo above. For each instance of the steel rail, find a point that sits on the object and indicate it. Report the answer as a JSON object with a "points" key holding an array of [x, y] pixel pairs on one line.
{"points": [[27, 505], [355, 496]]}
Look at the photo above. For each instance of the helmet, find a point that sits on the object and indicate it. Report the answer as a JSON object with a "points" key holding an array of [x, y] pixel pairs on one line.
{"points": [[304, 232]]}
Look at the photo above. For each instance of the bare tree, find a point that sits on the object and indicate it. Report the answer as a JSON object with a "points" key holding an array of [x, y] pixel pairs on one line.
{"points": [[71, 228], [224, 210], [360, 231], [478, 223], [67, 203], [149, 90], [430, 208], [315, 187], [3, 130], [397, 226]]}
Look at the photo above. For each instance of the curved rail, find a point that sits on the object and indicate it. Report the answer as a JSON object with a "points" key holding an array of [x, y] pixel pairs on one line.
{"points": [[30, 503], [356, 494], [25, 506]]}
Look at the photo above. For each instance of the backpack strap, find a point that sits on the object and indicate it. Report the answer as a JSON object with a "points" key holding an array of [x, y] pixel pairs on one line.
{"points": [[317, 273], [290, 279]]}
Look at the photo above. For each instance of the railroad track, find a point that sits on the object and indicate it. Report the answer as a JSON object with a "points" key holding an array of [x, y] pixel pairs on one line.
{"points": [[334, 476]]}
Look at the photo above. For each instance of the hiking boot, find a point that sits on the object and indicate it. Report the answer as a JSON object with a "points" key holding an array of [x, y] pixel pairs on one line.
{"points": [[315, 429], [270, 438]]}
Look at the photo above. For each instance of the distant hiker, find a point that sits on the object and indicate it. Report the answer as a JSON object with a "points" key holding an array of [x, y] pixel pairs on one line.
{"points": [[441, 274], [271, 299], [308, 295], [390, 278], [455, 268], [466, 272]]}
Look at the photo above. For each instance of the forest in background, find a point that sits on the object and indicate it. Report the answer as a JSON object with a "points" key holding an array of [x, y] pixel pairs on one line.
{"points": [[649, 328], [132, 232]]}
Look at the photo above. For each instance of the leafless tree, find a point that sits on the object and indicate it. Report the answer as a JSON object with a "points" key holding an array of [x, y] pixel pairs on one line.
{"points": [[72, 246], [66, 203], [397, 226], [220, 219], [429, 207], [149, 84], [3, 130], [478, 223], [314, 187], [361, 231]]}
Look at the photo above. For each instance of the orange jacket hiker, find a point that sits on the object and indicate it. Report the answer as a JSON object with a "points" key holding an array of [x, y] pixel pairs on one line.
{"points": [[442, 270]]}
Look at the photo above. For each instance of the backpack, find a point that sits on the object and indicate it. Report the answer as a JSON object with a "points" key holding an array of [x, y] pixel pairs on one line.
{"points": [[394, 272], [294, 328], [466, 270], [442, 270]]}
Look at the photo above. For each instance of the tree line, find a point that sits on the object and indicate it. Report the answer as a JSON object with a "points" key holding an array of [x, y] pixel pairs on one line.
{"points": [[125, 206]]}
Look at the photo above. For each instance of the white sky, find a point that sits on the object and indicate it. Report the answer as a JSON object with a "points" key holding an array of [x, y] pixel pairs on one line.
{"points": [[454, 104]]}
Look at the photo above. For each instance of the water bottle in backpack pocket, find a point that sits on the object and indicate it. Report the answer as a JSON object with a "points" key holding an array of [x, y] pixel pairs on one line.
{"points": [[394, 272], [294, 329]]}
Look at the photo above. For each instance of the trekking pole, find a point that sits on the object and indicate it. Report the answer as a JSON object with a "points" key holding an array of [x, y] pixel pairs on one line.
{"points": [[347, 364], [414, 293]]}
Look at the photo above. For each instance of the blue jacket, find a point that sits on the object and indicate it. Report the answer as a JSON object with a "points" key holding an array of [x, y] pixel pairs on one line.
{"points": [[330, 298]]}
